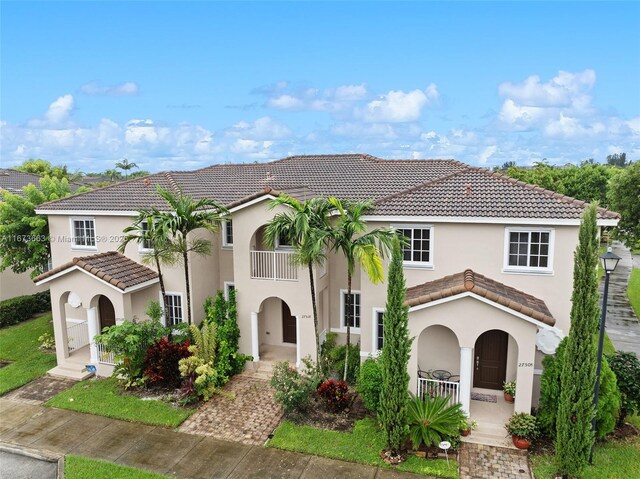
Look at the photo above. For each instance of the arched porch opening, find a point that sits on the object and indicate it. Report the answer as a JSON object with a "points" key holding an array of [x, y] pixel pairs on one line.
{"points": [[268, 263], [277, 331], [495, 359]]}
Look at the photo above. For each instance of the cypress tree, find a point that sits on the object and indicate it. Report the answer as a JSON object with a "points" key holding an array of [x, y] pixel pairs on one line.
{"points": [[574, 437], [394, 393]]}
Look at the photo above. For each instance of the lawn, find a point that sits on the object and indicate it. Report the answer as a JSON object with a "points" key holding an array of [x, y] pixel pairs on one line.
{"points": [[103, 397], [19, 343], [77, 467], [633, 290], [362, 445]]}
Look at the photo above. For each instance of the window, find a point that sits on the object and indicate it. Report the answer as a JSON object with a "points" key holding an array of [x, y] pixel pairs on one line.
{"points": [[529, 249], [355, 309], [419, 244], [227, 238], [146, 244], [283, 242], [228, 287], [378, 316], [174, 309], [84, 233]]}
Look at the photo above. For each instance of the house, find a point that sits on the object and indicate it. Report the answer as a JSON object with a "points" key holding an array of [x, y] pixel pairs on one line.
{"points": [[489, 266]]}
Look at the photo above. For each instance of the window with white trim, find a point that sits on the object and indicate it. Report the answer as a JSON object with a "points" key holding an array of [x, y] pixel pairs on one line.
{"points": [[174, 309], [529, 249], [145, 244], [228, 287], [84, 233], [355, 309], [379, 329], [419, 246], [283, 242], [227, 236]]}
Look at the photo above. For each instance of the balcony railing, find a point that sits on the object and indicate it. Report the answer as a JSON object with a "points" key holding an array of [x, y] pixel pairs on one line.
{"points": [[77, 336], [274, 265], [436, 387]]}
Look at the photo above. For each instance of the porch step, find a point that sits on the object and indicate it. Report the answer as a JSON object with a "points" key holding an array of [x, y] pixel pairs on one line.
{"points": [[67, 373], [489, 439]]}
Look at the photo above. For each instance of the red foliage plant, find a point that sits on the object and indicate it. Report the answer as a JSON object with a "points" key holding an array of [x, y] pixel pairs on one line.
{"points": [[335, 394], [161, 362]]}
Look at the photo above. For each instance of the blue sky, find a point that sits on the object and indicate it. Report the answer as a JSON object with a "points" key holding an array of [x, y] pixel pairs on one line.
{"points": [[182, 85]]}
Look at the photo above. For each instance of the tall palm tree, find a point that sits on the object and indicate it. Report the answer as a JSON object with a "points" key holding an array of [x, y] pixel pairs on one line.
{"points": [[144, 230], [126, 165], [366, 249], [185, 216], [307, 229]]}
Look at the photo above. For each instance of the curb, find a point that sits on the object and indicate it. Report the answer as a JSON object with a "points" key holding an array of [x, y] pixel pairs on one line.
{"points": [[40, 454]]}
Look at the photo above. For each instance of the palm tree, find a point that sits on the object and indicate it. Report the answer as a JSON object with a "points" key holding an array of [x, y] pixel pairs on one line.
{"points": [[144, 231], [185, 216], [307, 229], [113, 174], [126, 165], [366, 249]]}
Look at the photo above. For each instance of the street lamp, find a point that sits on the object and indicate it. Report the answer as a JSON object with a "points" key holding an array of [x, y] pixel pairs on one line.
{"points": [[609, 263]]}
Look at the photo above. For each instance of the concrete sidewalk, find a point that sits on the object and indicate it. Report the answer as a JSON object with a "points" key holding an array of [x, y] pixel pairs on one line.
{"points": [[165, 451], [623, 327]]}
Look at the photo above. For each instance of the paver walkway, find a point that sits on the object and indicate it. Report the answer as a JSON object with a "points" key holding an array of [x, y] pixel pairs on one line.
{"points": [[478, 461], [41, 390], [623, 327], [249, 416]]}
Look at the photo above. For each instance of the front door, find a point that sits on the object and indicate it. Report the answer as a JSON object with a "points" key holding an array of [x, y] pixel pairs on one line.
{"points": [[288, 325], [491, 360], [107, 313]]}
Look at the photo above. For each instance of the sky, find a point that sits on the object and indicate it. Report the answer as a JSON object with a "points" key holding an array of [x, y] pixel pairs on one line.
{"points": [[182, 85]]}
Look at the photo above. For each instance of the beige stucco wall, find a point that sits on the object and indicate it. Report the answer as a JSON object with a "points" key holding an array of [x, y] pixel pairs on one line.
{"points": [[438, 348], [14, 284], [270, 322]]}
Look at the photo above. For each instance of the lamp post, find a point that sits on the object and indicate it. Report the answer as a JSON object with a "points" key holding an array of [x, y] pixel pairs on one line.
{"points": [[609, 263]]}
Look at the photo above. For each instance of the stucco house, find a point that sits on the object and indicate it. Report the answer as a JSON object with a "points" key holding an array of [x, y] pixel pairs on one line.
{"points": [[488, 268]]}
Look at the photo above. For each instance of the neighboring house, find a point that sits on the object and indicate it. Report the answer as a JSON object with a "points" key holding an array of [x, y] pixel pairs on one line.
{"points": [[17, 284], [489, 266]]}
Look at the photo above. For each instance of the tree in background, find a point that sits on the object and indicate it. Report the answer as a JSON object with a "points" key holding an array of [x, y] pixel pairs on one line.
{"points": [[394, 394], [126, 165], [624, 197], [574, 437], [112, 174], [617, 159], [24, 235], [44, 168]]}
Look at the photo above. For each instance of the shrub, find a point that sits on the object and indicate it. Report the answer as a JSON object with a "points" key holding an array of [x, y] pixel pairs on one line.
{"points": [[608, 402], [626, 367], [47, 341], [523, 425], [201, 378], [292, 388], [431, 419], [332, 357], [161, 363], [335, 394], [370, 383], [21, 308]]}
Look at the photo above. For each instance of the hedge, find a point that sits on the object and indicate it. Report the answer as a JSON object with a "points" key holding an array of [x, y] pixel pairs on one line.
{"points": [[21, 308]]}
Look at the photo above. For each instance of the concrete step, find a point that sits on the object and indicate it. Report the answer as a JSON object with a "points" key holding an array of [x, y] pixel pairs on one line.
{"points": [[489, 439], [67, 373]]}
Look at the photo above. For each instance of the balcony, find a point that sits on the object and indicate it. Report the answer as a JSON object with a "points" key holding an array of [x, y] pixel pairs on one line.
{"points": [[273, 265]]}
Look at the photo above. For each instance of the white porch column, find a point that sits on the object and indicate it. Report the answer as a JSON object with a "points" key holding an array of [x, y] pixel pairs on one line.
{"points": [[255, 338], [298, 336], [466, 361], [92, 325]]}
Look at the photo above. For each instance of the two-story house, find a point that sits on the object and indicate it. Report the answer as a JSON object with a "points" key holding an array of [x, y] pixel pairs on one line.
{"points": [[488, 266]]}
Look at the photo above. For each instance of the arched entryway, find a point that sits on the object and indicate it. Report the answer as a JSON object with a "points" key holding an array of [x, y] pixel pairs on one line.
{"points": [[277, 331], [495, 355], [106, 312]]}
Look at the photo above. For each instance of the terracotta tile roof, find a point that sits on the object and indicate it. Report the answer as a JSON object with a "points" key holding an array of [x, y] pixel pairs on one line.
{"points": [[112, 267], [488, 288], [477, 192], [14, 180]]}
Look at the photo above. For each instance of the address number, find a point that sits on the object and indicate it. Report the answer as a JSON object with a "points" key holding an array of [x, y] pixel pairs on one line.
{"points": [[525, 365]]}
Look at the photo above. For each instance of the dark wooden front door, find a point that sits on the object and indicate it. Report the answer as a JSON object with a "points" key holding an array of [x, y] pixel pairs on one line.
{"points": [[288, 325], [107, 313], [490, 366]]}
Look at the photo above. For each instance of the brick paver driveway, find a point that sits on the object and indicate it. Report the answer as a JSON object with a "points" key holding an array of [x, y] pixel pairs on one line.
{"points": [[478, 461], [249, 417]]}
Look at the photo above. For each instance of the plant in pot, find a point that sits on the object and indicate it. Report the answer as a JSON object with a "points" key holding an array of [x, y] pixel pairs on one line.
{"points": [[467, 425], [523, 428], [509, 389]]}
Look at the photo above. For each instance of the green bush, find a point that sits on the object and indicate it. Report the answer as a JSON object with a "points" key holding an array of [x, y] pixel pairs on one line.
{"points": [[369, 384], [523, 425], [21, 308], [293, 390], [626, 367], [431, 419], [332, 358]]}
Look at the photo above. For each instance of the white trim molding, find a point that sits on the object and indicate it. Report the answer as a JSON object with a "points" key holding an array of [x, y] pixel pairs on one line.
{"points": [[343, 324], [374, 327], [410, 264], [252, 202], [225, 243], [226, 287], [507, 268], [484, 220], [79, 247], [78, 268]]}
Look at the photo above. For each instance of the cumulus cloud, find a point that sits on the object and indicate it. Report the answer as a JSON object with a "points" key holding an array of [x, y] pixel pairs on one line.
{"points": [[283, 96], [58, 113], [95, 88], [564, 90], [265, 128], [398, 106]]}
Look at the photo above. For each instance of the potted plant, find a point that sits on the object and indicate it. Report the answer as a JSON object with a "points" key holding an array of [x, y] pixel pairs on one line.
{"points": [[509, 389], [467, 425], [523, 428]]}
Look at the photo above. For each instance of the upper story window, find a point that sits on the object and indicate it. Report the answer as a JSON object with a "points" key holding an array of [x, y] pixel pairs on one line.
{"points": [[227, 233], [83, 233], [146, 244], [354, 304], [283, 242], [419, 248], [529, 249]]}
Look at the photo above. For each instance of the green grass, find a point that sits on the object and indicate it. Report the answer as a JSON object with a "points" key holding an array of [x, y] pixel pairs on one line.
{"points": [[19, 343], [607, 346], [633, 290], [103, 397], [77, 467], [363, 446]]}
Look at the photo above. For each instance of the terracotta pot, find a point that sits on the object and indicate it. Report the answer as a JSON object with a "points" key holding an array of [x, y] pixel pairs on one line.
{"points": [[521, 442], [466, 432], [508, 397]]}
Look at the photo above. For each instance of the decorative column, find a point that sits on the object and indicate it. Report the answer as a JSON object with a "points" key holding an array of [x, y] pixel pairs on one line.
{"points": [[92, 325], [298, 335], [466, 361], [255, 338]]}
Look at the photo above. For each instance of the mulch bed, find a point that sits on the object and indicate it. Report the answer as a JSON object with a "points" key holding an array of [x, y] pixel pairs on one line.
{"points": [[319, 417]]}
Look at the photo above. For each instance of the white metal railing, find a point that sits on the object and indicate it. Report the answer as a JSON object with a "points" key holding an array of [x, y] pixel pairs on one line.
{"points": [[436, 387], [105, 356], [275, 265], [77, 336]]}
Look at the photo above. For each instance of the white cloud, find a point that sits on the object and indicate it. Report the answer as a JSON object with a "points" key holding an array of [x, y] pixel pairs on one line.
{"points": [[285, 102], [486, 154], [58, 113], [121, 89], [564, 90], [282, 96], [398, 106], [265, 128]]}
